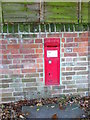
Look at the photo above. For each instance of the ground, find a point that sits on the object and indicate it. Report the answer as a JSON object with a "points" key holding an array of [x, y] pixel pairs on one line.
{"points": [[63, 107]]}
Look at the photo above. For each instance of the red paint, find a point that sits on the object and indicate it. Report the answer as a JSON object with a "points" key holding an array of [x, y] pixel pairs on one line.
{"points": [[52, 64]]}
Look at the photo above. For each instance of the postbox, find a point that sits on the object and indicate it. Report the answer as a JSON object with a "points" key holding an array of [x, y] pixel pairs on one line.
{"points": [[52, 61]]}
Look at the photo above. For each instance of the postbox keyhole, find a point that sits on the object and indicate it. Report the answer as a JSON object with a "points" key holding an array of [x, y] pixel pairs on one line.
{"points": [[49, 73]]}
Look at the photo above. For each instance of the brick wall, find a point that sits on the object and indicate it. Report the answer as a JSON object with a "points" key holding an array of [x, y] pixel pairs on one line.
{"points": [[22, 65]]}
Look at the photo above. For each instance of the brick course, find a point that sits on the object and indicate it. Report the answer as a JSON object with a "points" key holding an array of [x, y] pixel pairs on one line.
{"points": [[22, 62]]}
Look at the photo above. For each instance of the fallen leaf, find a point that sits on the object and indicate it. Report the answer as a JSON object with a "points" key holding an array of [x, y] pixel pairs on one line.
{"points": [[54, 117]]}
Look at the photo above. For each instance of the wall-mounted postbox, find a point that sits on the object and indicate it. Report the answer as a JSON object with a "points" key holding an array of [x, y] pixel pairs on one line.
{"points": [[52, 61]]}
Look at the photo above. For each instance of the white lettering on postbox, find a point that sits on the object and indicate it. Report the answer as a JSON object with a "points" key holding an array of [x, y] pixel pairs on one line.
{"points": [[52, 53]]}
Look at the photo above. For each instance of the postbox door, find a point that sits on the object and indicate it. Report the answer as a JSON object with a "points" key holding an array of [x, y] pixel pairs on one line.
{"points": [[52, 65]]}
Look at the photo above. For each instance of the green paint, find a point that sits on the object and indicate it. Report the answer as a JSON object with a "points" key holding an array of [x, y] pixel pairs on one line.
{"points": [[62, 12]]}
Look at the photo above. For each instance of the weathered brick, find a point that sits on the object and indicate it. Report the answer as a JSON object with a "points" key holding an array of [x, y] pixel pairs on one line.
{"points": [[6, 81], [26, 51], [70, 34], [54, 35], [29, 46], [32, 56], [84, 34], [28, 61], [82, 89], [3, 42], [81, 39], [68, 82], [18, 93], [83, 54], [6, 61], [38, 41], [6, 95], [69, 78], [28, 41], [39, 61], [69, 39], [8, 99], [79, 59], [82, 81], [32, 75], [15, 66], [13, 46], [29, 80], [83, 49], [58, 87], [81, 63], [71, 45], [5, 85], [39, 51], [68, 68], [69, 91], [71, 86], [70, 54], [83, 44], [30, 89], [80, 68], [39, 70], [28, 70], [82, 73]]}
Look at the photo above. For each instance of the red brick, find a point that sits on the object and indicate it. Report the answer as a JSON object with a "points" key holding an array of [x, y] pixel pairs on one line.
{"points": [[62, 49], [5, 51], [70, 34], [28, 41], [28, 70], [39, 60], [13, 46], [39, 51], [39, 70], [81, 39], [84, 34], [83, 49], [32, 56], [16, 61], [70, 54], [28, 61], [3, 42], [26, 51], [29, 46], [16, 71], [54, 35], [38, 41], [15, 66], [14, 51], [41, 45], [42, 35], [4, 56], [68, 68], [83, 54], [62, 69], [83, 44], [17, 56], [40, 55], [71, 45], [69, 39], [2, 46], [63, 39], [6, 61]]}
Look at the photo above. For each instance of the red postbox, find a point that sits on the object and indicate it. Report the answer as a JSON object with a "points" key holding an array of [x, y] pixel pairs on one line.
{"points": [[52, 61]]}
